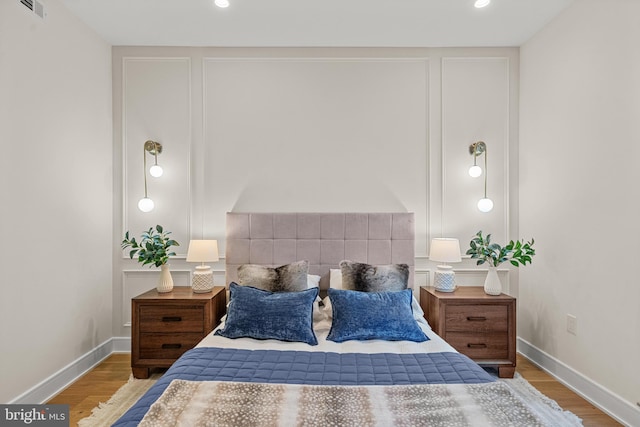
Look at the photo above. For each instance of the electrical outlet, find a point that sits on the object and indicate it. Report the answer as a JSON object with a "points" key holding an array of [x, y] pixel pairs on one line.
{"points": [[572, 324]]}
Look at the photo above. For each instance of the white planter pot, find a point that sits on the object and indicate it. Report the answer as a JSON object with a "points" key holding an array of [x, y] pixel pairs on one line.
{"points": [[492, 285], [165, 284]]}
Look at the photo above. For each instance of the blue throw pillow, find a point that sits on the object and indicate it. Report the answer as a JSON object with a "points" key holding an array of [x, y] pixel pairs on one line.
{"points": [[284, 316], [373, 315]]}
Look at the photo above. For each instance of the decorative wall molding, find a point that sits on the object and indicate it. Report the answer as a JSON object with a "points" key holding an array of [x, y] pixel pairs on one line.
{"points": [[126, 61], [422, 67], [422, 278], [468, 128], [601, 397]]}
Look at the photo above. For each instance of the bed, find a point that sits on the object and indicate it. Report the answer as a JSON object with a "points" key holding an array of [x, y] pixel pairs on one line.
{"points": [[323, 328]]}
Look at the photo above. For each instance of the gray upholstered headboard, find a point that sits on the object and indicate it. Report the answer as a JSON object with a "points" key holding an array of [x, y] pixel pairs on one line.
{"points": [[323, 239]]}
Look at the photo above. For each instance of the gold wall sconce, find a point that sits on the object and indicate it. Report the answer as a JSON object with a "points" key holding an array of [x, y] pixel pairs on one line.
{"points": [[154, 148], [477, 149]]}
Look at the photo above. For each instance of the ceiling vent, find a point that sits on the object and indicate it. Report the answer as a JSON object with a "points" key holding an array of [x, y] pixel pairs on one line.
{"points": [[35, 6]]}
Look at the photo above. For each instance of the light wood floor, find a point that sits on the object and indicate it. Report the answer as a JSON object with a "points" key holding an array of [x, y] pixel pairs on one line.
{"points": [[105, 379]]}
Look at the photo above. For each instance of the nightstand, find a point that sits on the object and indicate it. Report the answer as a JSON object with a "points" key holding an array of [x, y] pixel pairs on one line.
{"points": [[478, 325], [165, 325]]}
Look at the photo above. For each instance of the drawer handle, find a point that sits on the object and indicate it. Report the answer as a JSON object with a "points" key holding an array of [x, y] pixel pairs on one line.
{"points": [[172, 319], [476, 318], [171, 345], [477, 345]]}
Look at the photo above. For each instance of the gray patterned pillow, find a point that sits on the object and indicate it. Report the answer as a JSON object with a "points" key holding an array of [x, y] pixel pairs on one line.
{"points": [[286, 278], [357, 276]]}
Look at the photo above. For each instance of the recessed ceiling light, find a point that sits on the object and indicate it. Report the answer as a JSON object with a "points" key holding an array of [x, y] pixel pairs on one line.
{"points": [[481, 3], [222, 3]]}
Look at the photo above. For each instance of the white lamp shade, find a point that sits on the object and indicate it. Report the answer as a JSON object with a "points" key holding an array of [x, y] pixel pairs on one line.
{"points": [[445, 249], [202, 251]]}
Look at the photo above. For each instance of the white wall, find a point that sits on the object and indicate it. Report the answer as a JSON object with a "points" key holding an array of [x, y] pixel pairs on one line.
{"points": [[580, 145], [56, 200], [311, 130]]}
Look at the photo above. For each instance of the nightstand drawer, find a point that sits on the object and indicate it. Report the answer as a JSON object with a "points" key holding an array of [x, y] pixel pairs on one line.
{"points": [[174, 318], [476, 318], [478, 345], [166, 346]]}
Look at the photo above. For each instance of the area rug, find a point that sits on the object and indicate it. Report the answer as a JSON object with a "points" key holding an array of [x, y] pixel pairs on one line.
{"points": [[539, 403], [107, 413]]}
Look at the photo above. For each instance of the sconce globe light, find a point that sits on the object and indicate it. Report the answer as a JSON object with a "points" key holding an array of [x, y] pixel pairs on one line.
{"points": [[475, 171], [156, 171], [154, 148], [146, 204], [476, 149], [222, 3], [485, 205], [481, 3]]}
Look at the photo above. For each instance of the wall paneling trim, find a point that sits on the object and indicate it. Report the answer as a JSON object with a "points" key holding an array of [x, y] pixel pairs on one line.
{"points": [[313, 130]]}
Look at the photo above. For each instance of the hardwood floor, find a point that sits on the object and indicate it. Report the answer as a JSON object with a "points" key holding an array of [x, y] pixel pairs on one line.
{"points": [[105, 379], [96, 386], [567, 399]]}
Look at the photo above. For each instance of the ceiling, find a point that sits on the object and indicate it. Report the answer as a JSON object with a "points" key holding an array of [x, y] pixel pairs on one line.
{"points": [[303, 23]]}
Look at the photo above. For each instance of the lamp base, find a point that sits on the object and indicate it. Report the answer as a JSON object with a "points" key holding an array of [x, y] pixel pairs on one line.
{"points": [[202, 281], [444, 280]]}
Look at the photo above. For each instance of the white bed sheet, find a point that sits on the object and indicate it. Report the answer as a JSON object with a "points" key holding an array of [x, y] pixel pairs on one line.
{"points": [[321, 326]]}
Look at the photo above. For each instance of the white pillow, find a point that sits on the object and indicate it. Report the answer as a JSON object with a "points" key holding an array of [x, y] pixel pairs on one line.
{"points": [[313, 281], [335, 278]]}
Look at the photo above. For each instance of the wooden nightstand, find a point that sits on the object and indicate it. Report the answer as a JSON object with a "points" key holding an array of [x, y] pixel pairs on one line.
{"points": [[165, 325], [476, 324]]}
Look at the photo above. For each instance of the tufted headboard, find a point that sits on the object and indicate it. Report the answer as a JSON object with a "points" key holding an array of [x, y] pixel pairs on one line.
{"points": [[323, 239]]}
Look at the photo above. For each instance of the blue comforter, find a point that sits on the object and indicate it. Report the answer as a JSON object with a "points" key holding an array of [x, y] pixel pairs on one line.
{"points": [[317, 368]]}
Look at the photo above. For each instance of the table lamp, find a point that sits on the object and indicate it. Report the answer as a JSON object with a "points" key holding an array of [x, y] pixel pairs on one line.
{"points": [[444, 250], [202, 251]]}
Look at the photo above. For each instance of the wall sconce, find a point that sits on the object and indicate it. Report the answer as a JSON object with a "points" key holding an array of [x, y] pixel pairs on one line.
{"points": [[444, 250], [476, 149], [154, 148], [202, 251]]}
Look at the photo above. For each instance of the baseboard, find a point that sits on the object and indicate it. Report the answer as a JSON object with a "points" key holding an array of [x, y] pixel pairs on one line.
{"points": [[599, 396], [51, 386], [121, 344]]}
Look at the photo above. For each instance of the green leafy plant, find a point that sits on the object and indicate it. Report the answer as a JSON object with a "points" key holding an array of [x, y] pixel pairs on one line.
{"points": [[153, 246], [517, 253]]}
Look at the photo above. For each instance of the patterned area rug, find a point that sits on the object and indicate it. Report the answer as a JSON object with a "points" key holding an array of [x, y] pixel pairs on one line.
{"points": [[107, 413], [500, 404]]}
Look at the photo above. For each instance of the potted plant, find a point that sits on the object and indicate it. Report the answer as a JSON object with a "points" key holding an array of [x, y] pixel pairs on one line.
{"points": [[516, 252], [153, 249]]}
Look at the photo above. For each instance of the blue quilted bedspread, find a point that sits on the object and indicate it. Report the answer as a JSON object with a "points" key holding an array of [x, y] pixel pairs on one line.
{"points": [[319, 368]]}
